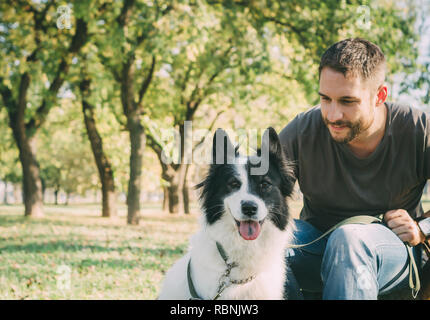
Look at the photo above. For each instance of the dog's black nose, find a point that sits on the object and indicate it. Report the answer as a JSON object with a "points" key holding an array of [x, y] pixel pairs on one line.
{"points": [[249, 208]]}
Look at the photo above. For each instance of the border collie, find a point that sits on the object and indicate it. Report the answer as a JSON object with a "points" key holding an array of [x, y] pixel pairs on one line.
{"points": [[244, 215]]}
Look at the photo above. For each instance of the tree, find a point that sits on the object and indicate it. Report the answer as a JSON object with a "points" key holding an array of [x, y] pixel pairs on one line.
{"points": [[311, 26], [212, 50], [103, 164], [415, 87], [34, 49], [126, 44], [65, 152], [51, 177], [273, 45]]}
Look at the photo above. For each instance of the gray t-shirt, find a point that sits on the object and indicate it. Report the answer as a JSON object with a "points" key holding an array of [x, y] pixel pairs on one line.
{"points": [[336, 184]]}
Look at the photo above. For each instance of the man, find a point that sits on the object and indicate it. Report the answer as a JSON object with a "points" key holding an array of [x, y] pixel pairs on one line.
{"points": [[356, 154]]}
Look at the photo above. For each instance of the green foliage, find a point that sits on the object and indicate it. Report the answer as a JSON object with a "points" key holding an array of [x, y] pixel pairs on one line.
{"points": [[26, 33], [311, 26], [252, 64], [66, 159]]}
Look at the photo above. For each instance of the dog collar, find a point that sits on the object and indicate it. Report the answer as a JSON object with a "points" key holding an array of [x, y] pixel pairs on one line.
{"points": [[193, 292], [224, 280]]}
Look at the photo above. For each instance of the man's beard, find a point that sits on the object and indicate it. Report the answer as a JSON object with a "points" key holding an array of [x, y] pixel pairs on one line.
{"points": [[355, 128]]}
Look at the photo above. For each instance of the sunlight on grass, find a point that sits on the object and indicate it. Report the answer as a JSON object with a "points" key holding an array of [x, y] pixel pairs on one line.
{"points": [[105, 258]]}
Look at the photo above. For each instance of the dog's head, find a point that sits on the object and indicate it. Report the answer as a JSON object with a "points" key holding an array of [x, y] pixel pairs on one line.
{"points": [[249, 201]]}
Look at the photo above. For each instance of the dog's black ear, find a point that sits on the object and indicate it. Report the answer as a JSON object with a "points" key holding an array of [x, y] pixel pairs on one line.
{"points": [[277, 156], [223, 150], [274, 147]]}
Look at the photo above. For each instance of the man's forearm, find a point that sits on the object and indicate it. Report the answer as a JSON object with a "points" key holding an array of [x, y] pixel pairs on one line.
{"points": [[427, 214]]}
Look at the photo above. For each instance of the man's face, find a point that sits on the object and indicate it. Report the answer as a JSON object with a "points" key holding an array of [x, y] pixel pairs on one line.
{"points": [[346, 105]]}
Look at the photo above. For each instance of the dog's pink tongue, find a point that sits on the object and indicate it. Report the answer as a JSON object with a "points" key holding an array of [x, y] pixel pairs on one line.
{"points": [[249, 230]]}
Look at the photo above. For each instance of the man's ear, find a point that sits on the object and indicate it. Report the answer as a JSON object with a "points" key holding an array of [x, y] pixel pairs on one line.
{"points": [[223, 150], [382, 95]]}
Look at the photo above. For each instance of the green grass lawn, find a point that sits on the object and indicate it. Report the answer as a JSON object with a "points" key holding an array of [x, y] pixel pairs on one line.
{"points": [[106, 259], [72, 253]]}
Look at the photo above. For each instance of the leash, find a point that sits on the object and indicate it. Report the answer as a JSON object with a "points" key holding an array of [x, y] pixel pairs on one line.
{"points": [[413, 269], [224, 281]]}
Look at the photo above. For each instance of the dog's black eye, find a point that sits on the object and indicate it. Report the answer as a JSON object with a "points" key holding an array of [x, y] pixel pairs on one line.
{"points": [[234, 184], [265, 185]]}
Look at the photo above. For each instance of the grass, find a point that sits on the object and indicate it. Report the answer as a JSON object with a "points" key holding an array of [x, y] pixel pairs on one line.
{"points": [[106, 259], [72, 253]]}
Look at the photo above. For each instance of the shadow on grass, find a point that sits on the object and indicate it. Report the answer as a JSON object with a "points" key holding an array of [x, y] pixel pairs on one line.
{"points": [[122, 264], [69, 246], [10, 220]]}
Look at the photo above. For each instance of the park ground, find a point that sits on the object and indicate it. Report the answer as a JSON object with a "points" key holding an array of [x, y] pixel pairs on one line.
{"points": [[72, 253]]}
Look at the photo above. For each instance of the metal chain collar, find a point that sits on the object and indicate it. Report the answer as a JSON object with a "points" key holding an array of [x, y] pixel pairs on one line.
{"points": [[225, 281]]}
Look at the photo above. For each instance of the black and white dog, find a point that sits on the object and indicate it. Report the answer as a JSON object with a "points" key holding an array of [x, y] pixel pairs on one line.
{"points": [[239, 251]]}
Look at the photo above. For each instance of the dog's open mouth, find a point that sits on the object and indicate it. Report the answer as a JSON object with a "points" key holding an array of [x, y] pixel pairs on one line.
{"points": [[249, 229]]}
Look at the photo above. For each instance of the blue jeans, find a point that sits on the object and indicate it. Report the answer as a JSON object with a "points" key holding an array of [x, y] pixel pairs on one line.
{"points": [[353, 262]]}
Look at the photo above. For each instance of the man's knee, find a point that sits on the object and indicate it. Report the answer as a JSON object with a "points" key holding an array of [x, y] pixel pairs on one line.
{"points": [[348, 244], [350, 235], [349, 263]]}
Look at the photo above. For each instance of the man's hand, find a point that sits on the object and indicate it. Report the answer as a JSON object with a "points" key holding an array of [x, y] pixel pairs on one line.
{"points": [[401, 223]]}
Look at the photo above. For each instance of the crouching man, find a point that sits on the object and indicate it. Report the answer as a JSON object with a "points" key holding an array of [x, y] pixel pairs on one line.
{"points": [[356, 154]]}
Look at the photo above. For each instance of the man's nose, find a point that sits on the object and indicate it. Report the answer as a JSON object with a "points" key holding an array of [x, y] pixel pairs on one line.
{"points": [[334, 112]]}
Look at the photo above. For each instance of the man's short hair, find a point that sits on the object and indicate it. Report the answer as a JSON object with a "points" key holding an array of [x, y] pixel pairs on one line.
{"points": [[356, 57]]}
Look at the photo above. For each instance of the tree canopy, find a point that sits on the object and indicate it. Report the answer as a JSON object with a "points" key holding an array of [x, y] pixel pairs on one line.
{"points": [[152, 65]]}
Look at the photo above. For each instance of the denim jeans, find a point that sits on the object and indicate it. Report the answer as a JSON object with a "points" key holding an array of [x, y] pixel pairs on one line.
{"points": [[353, 262]]}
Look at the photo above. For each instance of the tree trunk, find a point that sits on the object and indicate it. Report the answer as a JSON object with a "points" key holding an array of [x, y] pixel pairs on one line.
{"points": [[56, 196], [108, 199], [165, 199], [132, 111], [32, 184], [173, 198], [170, 175], [5, 193], [178, 197], [43, 190], [24, 128], [137, 144], [186, 197], [185, 190], [103, 164]]}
